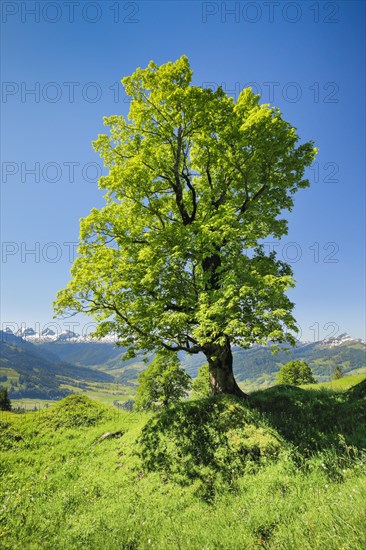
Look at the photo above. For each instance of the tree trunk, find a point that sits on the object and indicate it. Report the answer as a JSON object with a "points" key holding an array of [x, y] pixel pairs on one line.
{"points": [[220, 363]]}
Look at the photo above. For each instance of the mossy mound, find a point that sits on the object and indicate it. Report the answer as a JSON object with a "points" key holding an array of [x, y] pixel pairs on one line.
{"points": [[210, 440], [75, 411]]}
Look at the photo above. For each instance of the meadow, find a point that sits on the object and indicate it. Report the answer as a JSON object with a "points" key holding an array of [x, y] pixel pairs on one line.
{"points": [[283, 470]]}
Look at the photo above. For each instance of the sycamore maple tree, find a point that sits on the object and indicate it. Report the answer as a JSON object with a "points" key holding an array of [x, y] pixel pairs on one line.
{"points": [[195, 180]]}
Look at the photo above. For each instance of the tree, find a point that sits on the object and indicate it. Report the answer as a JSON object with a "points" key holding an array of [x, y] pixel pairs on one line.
{"points": [[163, 382], [295, 373], [201, 384], [196, 181], [5, 404], [337, 373]]}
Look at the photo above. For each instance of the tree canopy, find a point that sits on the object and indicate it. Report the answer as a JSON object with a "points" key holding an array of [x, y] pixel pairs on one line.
{"points": [[295, 373], [195, 180], [163, 382]]}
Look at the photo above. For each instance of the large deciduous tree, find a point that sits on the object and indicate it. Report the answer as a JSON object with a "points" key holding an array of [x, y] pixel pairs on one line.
{"points": [[195, 181]]}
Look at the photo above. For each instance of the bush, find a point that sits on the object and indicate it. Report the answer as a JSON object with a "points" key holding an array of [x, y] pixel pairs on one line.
{"points": [[296, 373], [162, 383], [201, 384]]}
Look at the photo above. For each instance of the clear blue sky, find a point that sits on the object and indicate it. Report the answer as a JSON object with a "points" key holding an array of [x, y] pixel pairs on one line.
{"points": [[308, 58]]}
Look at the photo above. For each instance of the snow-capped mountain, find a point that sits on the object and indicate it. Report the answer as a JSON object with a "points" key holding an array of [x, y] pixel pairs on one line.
{"points": [[341, 339], [256, 364], [48, 335], [333, 342]]}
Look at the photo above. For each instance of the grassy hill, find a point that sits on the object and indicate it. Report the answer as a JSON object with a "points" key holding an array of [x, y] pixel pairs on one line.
{"points": [[284, 470], [342, 384]]}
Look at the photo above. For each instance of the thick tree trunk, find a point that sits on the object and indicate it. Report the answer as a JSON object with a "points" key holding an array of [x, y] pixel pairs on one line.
{"points": [[220, 363]]}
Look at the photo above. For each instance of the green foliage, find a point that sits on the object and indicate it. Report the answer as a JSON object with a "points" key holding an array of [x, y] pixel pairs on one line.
{"points": [[5, 404], [194, 180], [162, 383], [337, 373], [201, 384], [295, 373]]}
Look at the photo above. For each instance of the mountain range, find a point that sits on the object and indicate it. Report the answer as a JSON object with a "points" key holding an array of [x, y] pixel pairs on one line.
{"points": [[48, 363], [34, 372]]}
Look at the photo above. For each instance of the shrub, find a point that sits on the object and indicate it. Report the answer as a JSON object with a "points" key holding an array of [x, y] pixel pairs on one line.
{"points": [[201, 384], [296, 373], [162, 383]]}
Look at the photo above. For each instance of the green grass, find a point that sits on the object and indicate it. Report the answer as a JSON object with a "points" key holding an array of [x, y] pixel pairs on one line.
{"points": [[343, 383], [285, 471]]}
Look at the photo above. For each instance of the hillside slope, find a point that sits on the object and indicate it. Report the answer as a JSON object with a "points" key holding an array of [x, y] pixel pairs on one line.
{"points": [[255, 365], [284, 470], [31, 372]]}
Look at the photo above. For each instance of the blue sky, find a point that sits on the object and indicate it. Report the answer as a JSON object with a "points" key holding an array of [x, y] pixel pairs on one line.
{"points": [[307, 58]]}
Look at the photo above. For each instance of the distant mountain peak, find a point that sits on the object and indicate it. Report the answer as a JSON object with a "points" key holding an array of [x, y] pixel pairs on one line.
{"points": [[48, 332], [25, 331], [48, 335], [51, 335], [339, 340], [68, 335]]}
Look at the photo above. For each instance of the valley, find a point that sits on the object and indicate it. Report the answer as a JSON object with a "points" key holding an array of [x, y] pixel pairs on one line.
{"points": [[39, 369]]}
